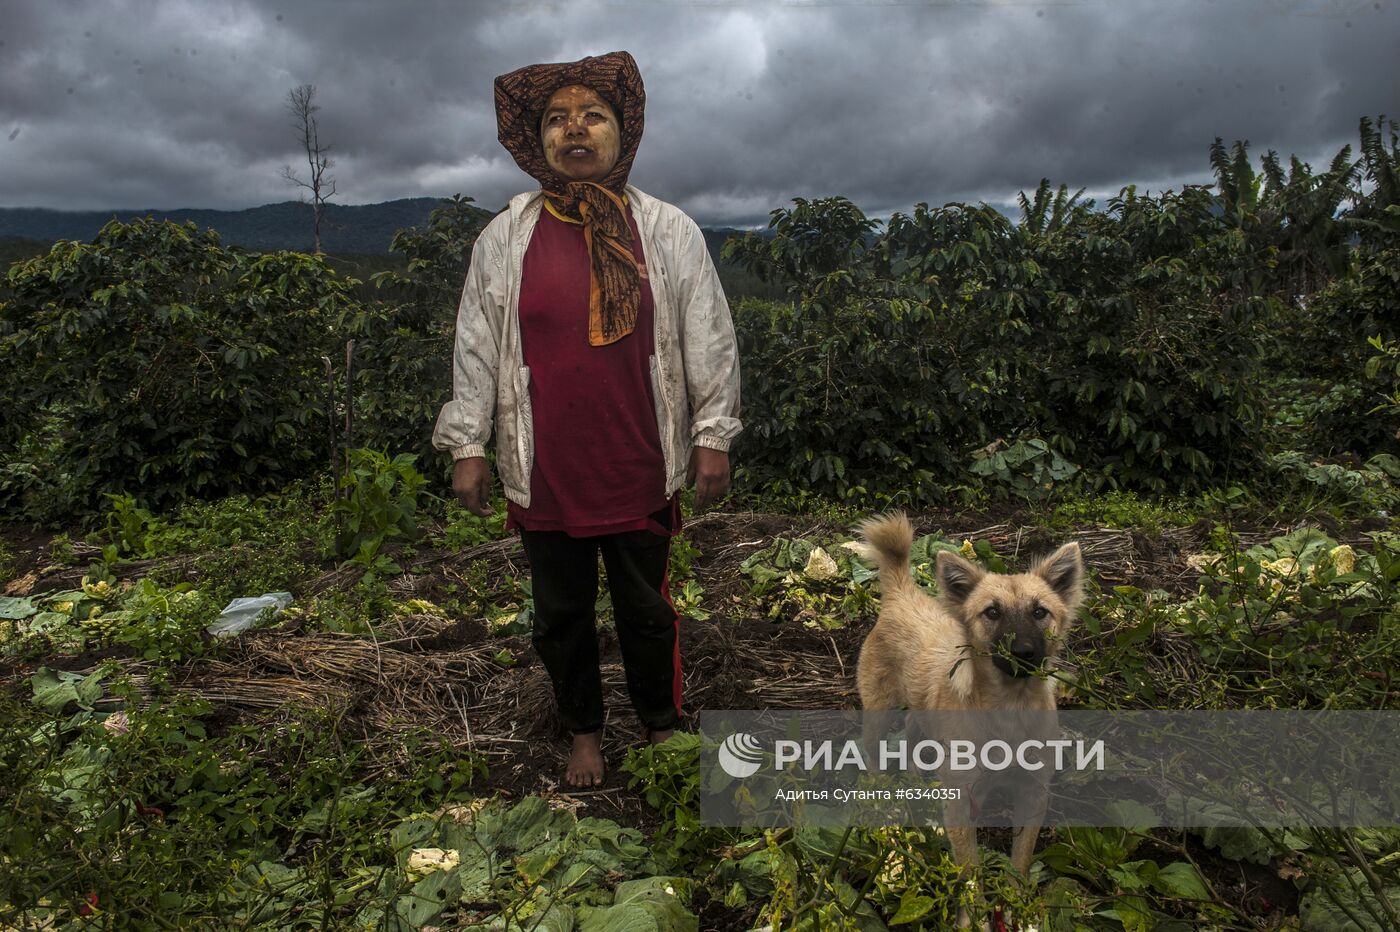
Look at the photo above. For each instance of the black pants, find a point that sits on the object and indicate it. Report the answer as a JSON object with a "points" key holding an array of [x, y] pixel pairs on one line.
{"points": [[564, 584]]}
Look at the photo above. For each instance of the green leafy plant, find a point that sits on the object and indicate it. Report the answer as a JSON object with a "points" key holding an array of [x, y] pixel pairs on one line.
{"points": [[157, 624], [161, 624], [1144, 891], [353, 610], [826, 585], [1027, 468], [380, 503], [668, 777], [911, 348], [134, 810], [164, 365], [1285, 614], [1345, 333], [129, 526], [1297, 622], [402, 369], [61, 550], [1385, 364], [239, 546], [689, 600], [1374, 486], [802, 580], [686, 591], [1352, 885], [533, 866], [463, 529], [1123, 509]]}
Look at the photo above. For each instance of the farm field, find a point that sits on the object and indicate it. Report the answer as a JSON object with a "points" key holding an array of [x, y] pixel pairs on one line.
{"points": [[1201, 387], [285, 777]]}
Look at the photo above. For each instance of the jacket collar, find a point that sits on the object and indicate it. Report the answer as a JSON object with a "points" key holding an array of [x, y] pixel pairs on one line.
{"points": [[530, 203]]}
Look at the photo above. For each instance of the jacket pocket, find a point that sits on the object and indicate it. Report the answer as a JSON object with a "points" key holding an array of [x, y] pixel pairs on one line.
{"points": [[525, 427]]}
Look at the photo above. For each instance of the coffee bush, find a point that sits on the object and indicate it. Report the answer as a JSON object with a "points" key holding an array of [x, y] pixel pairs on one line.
{"points": [[155, 361]]}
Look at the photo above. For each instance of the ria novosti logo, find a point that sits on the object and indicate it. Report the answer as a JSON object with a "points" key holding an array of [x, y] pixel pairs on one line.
{"points": [[740, 755]]}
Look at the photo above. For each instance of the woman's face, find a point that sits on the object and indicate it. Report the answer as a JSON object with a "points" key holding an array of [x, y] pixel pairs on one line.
{"points": [[581, 135]]}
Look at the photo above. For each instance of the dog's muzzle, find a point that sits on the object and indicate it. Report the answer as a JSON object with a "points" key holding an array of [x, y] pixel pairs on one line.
{"points": [[1021, 658]]}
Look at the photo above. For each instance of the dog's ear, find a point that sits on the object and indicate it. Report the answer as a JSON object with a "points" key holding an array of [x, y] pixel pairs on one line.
{"points": [[956, 577], [1063, 570]]}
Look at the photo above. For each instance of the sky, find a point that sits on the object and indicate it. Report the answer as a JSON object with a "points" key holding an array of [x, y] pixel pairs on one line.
{"points": [[162, 104]]}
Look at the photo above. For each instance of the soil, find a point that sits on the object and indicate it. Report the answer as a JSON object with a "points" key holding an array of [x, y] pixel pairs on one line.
{"points": [[714, 916], [461, 633], [29, 549]]}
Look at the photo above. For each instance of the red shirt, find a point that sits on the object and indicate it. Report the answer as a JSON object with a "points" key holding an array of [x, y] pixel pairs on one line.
{"points": [[598, 466]]}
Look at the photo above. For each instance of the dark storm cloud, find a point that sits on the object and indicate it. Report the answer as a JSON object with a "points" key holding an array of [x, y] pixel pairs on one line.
{"points": [[138, 103]]}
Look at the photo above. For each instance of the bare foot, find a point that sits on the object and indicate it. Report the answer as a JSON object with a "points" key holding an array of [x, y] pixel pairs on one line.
{"points": [[585, 761], [660, 736]]}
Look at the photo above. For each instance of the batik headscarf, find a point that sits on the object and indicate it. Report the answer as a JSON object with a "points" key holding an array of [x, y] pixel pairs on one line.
{"points": [[614, 285]]}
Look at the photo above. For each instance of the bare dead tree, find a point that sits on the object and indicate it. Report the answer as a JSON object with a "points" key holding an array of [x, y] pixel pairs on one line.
{"points": [[301, 105]]}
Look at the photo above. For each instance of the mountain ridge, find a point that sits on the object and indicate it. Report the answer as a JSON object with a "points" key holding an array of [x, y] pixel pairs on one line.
{"points": [[358, 228]]}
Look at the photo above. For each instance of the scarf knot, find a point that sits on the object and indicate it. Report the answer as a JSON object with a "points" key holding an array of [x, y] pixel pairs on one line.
{"points": [[614, 280]]}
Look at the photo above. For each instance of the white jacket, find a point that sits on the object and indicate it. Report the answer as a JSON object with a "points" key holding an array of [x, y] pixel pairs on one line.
{"points": [[694, 366]]}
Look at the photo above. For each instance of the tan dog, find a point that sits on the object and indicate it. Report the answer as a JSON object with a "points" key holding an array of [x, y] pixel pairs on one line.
{"points": [[978, 647]]}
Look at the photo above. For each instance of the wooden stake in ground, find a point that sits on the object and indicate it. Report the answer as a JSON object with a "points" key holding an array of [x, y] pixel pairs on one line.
{"points": [[330, 422], [349, 403]]}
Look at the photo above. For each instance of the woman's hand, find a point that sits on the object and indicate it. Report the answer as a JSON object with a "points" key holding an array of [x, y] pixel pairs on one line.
{"points": [[709, 471], [471, 483]]}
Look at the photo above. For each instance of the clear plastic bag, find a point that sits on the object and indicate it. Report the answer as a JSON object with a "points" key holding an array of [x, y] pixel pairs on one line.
{"points": [[240, 614]]}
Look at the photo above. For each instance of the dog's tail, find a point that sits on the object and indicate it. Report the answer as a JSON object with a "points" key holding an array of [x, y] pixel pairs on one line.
{"points": [[888, 540]]}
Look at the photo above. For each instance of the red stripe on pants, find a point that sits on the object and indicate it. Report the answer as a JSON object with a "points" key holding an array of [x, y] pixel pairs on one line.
{"points": [[676, 654]]}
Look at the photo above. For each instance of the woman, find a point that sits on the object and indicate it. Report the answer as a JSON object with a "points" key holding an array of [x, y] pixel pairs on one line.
{"points": [[594, 338]]}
